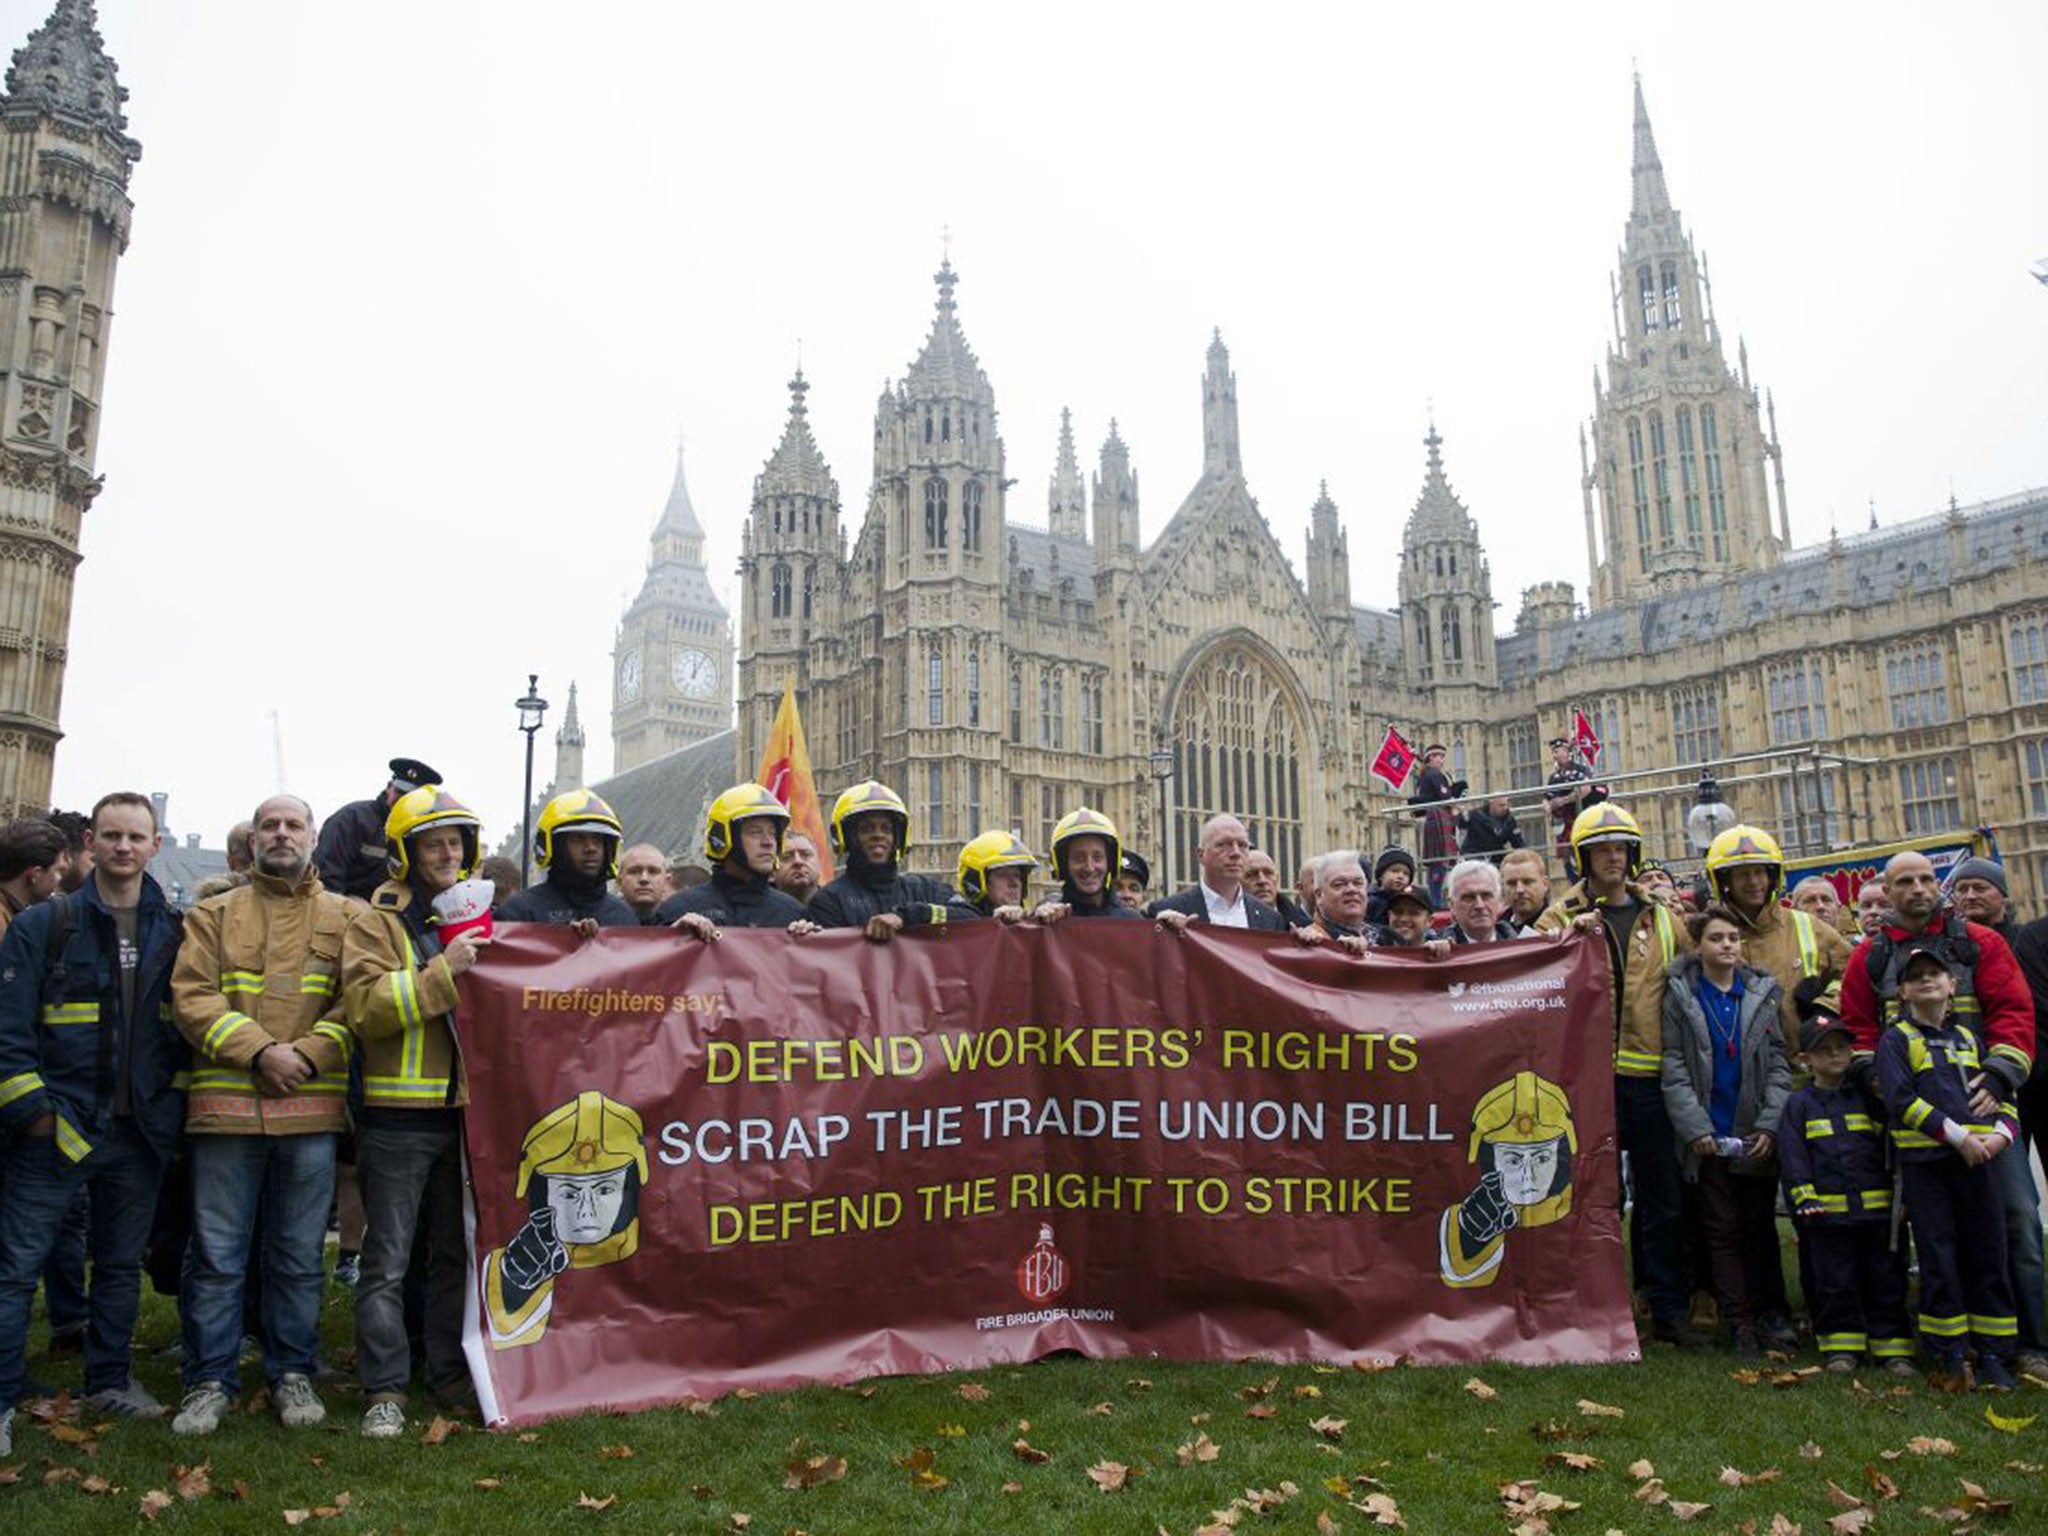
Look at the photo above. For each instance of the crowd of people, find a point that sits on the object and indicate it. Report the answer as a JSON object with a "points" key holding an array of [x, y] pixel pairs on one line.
{"points": [[195, 1093]]}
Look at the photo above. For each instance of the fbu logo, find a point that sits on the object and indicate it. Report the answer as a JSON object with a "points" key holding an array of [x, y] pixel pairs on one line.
{"points": [[1044, 1274]]}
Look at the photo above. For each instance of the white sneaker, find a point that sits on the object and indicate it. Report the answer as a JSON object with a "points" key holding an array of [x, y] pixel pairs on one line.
{"points": [[6, 1431], [133, 1401], [298, 1405], [203, 1409], [383, 1421]]}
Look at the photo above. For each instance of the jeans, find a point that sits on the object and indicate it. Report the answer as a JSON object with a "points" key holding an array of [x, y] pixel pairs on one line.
{"points": [[412, 1184], [122, 1172], [290, 1179], [64, 1270], [1643, 1129], [2013, 1173]]}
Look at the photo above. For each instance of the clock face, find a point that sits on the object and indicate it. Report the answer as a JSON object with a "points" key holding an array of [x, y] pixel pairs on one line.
{"points": [[695, 674], [629, 677]]}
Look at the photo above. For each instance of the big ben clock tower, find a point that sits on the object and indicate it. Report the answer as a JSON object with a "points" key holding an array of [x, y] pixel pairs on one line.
{"points": [[672, 667]]}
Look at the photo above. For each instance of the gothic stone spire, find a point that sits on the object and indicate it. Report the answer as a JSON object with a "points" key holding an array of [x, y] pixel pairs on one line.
{"points": [[1067, 501]]}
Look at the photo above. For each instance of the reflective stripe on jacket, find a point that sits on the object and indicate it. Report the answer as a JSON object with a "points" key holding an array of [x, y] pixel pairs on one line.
{"points": [[398, 1008]]}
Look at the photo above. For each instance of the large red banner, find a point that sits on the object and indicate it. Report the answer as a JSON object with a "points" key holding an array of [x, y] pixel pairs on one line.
{"points": [[767, 1161]]}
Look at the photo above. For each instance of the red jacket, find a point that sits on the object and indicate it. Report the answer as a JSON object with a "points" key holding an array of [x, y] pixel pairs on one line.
{"points": [[2003, 1014]]}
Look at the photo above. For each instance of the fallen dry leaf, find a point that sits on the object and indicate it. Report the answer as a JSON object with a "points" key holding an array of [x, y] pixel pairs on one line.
{"points": [[810, 1471], [1325, 1526], [10, 1475], [1310, 1390], [1852, 1521], [1011, 1488], [1263, 1389], [154, 1503], [1572, 1461], [487, 1485], [2010, 1426], [585, 1501], [1205, 1449], [1026, 1451], [1782, 1525], [1810, 1451], [1641, 1468], [974, 1392], [1102, 1410], [1880, 1483], [2028, 1467], [95, 1484], [70, 1434], [740, 1522], [297, 1516], [1593, 1410], [1481, 1390], [1383, 1509], [60, 1475], [1328, 1428], [529, 1438], [1684, 1511], [615, 1453], [1109, 1476], [438, 1430], [1557, 1429], [193, 1482], [1653, 1492], [1931, 1445], [1260, 1411], [1735, 1479], [952, 1431]]}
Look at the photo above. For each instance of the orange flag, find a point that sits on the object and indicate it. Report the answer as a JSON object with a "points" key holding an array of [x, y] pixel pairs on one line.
{"points": [[786, 772]]}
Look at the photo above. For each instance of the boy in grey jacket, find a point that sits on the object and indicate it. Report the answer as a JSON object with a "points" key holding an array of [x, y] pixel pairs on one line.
{"points": [[1726, 1079]]}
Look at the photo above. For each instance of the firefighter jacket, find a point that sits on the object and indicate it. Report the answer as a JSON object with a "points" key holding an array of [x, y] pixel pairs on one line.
{"points": [[733, 902], [1831, 1154], [399, 994], [866, 891], [63, 1038], [1689, 1063], [1992, 997], [1924, 1074], [1102, 904], [261, 965], [1791, 946], [1656, 938], [566, 897]]}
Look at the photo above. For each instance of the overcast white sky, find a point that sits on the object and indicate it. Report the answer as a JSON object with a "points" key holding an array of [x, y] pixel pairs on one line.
{"points": [[421, 294]]}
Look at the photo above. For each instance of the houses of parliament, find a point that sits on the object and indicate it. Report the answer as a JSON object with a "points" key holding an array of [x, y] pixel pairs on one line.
{"points": [[998, 672], [999, 668]]}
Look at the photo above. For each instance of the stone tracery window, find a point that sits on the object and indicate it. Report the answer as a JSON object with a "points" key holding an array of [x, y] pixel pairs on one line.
{"points": [[1240, 743]]}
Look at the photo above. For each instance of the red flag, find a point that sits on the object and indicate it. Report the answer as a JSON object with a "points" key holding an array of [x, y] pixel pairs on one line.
{"points": [[786, 772], [1395, 762], [1583, 737]]}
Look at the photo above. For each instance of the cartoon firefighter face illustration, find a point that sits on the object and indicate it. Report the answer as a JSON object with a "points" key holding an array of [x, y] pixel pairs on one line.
{"points": [[1522, 1144], [581, 1169]]}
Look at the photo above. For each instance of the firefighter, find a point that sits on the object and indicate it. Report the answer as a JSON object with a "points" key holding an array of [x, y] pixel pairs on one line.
{"points": [[742, 842], [581, 1169], [1747, 873], [994, 874], [576, 844], [398, 989], [1086, 854], [870, 834], [1522, 1143], [1642, 938]]}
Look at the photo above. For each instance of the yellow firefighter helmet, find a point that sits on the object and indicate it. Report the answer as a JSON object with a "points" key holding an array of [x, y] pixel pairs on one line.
{"points": [[1745, 848], [1606, 823], [1085, 823], [1528, 1111], [592, 1134], [577, 811], [869, 795], [414, 812], [990, 851], [743, 802]]}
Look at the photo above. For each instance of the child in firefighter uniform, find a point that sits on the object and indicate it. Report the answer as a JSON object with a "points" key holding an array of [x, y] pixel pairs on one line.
{"points": [[1831, 1161], [1522, 1143], [581, 1170], [1926, 1064]]}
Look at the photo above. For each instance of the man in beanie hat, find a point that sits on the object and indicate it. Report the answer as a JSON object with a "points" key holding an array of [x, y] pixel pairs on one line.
{"points": [[350, 853]]}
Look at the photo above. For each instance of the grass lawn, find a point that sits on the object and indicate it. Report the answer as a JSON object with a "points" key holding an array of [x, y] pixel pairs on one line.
{"points": [[1302, 1448]]}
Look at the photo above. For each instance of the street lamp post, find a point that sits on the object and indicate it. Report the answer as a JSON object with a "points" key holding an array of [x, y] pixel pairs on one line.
{"points": [[1161, 760], [532, 710], [1710, 815]]}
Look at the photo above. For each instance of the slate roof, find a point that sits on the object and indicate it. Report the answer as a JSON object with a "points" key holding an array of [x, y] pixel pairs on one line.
{"points": [[1880, 566], [663, 801], [1031, 549], [179, 869]]}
